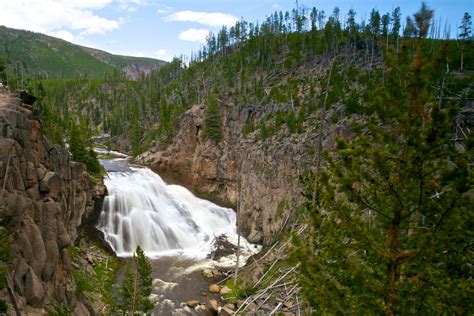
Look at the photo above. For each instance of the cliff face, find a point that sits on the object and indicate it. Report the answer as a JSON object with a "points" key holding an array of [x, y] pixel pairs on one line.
{"points": [[265, 171], [43, 201]]}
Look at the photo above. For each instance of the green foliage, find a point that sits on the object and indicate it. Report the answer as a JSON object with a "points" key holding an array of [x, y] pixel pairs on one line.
{"points": [[4, 255], [134, 292], [291, 121], [135, 132], [249, 127], [4, 244], [3, 75], [83, 283], [3, 275], [3, 307], [80, 146], [213, 121], [60, 310], [99, 282], [391, 225], [270, 62], [239, 291]]}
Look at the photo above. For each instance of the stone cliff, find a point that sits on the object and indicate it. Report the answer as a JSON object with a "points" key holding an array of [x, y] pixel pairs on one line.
{"points": [[266, 172], [43, 200]]}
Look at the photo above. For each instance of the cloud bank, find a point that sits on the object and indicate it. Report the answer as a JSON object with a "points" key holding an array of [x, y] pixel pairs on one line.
{"points": [[63, 18]]}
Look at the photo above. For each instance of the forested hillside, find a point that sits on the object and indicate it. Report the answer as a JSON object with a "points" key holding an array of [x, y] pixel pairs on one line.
{"points": [[282, 61], [31, 56]]}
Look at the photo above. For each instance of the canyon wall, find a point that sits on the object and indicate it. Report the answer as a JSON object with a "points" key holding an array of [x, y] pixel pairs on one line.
{"points": [[44, 198], [265, 171]]}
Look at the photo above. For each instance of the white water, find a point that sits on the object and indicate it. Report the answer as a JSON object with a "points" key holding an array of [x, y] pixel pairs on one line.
{"points": [[141, 209]]}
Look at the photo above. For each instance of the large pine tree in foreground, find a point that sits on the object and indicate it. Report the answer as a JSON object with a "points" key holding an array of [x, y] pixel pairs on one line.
{"points": [[391, 225]]}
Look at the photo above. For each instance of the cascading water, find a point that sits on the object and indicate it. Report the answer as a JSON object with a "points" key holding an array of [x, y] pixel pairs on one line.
{"points": [[143, 210]]}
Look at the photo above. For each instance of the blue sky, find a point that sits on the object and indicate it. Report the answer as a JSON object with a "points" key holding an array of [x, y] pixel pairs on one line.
{"points": [[164, 28]]}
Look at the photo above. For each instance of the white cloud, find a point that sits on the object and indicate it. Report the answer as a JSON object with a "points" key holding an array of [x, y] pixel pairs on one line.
{"points": [[213, 19], [63, 18], [194, 35], [276, 6], [161, 53], [164, 9], [65, 35]]}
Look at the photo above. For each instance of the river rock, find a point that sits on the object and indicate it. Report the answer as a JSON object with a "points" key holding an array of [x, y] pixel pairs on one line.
{"points": [[226, 311], [201, 308], [192, 303], [214, 305], [225, 290], [208, 273], [214, 288]]}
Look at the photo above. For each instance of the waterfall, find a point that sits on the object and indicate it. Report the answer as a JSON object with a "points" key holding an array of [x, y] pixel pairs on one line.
{"points": [[141, 209]]}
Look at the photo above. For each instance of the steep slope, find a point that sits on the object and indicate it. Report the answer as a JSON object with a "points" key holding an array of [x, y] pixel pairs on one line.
{"points": [[50, 57], [44, 199]]}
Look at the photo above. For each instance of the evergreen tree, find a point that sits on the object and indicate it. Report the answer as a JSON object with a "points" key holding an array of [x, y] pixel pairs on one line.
{"points": [[135, 290], [76, 143], [3, 75], [465, 34], [213, 121], [135, 131], [391, 226]]}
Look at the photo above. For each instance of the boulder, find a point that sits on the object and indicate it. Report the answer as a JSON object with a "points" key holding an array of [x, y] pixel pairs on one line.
{"points": [[34, 291]]}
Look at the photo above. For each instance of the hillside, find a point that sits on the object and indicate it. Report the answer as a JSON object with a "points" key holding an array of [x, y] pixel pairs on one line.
{"points": [[44, 56]]}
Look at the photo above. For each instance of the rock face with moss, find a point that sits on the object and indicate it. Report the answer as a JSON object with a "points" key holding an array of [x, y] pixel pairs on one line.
{"points": [[44, 198]]}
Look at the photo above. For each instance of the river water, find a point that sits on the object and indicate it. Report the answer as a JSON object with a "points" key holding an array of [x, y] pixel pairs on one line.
{"points": [[175, 229]]}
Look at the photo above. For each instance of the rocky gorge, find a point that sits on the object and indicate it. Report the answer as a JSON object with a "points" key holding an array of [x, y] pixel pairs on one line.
{"points": [[44, 199], [261, 176]]}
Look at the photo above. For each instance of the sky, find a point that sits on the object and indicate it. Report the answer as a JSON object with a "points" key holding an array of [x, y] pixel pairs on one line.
{"points": [[165, 28]]}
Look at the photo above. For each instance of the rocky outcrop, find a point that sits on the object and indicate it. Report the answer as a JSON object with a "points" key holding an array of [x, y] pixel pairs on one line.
{"points": [[262, 174], [44, 198]]}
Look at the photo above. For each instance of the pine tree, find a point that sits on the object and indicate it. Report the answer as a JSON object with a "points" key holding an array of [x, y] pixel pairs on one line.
{"points": [[76, 143], [135, 290], [391, 226], [135, 132], [3, 75], [465, 34], [213, 121]]}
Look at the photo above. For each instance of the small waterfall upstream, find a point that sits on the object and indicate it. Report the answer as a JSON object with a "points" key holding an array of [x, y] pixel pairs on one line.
{"points": [[141, 209]]}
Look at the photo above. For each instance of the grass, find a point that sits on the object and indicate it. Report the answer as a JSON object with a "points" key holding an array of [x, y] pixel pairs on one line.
{"points": [[4, 255], [239, 292]]}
